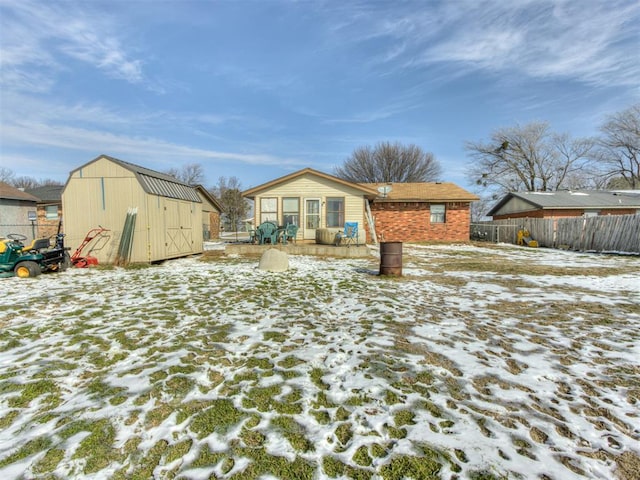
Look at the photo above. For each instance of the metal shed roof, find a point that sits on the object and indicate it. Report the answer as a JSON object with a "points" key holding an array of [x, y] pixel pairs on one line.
{"points": [[156, 183]]}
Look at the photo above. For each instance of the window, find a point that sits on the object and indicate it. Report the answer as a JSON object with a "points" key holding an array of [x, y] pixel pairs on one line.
{"points": [[291, 211], [51, 212], [437, 213], [335, 212], [269, 210]]}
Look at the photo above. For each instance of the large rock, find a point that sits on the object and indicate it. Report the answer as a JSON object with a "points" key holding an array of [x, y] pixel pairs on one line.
{"points": [[274, 260]]}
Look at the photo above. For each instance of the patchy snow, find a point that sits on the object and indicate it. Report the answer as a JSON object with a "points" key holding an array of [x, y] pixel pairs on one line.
{"points": [[530, 375]]}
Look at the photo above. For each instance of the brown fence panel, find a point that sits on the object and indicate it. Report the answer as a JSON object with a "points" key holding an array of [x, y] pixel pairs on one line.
{"points": [[606, 233]]}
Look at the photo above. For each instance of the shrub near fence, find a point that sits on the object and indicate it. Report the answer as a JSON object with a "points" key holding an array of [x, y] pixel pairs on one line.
{"points": [[606, 233]]}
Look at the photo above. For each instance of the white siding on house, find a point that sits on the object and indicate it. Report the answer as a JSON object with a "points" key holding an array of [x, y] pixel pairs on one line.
{"points": [[313, 186]]}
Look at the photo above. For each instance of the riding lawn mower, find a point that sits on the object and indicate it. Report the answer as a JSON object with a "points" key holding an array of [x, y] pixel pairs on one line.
{"points": [[29, 261]]}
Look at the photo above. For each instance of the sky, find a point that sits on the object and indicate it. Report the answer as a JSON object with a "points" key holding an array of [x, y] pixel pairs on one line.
{"points": [[260, 89]]}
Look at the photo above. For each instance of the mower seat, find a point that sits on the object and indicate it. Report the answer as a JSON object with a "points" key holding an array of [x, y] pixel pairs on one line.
{"points": [[39, 244]]}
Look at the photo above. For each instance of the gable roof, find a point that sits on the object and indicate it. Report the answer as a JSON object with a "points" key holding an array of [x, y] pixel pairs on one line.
{"points": [[206, 194], [154, 183], [251, 193], [47, 193], [422, 192], [573, 199], [8, 192]]}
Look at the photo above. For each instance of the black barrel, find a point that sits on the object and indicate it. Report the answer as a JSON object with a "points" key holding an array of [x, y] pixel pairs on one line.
{"points": [[391, 258]]}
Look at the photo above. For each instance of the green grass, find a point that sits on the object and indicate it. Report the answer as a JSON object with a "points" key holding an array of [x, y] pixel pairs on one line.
{"points": [[212, 360]]}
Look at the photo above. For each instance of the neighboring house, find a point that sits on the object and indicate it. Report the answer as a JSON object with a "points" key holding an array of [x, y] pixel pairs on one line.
{"points": [[17, 212], [566, 203], [170, 220], [320, 204], [49, 209]]}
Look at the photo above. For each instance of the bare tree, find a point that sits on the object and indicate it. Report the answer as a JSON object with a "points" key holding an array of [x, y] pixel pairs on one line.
{"points": [[28, 183], [235, 207], [6, 175], [530, 158], [618, 149], [191, 173], [389, 162]]}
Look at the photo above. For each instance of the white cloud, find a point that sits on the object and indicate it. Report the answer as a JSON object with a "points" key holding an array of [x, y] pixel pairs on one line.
{"points": [[37, 36], [593, 41], [95, 141]]}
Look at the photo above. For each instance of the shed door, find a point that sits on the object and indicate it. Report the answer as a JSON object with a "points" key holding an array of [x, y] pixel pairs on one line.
{"points": [[179, 232], [311, 217]]}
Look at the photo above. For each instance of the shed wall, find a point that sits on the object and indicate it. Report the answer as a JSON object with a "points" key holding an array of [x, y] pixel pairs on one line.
{"points": [[101, 193]]}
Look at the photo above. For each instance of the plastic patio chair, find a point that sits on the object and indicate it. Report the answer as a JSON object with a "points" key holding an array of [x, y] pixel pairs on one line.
{"points": [[349, 235], [267, 231], [289, 233]]}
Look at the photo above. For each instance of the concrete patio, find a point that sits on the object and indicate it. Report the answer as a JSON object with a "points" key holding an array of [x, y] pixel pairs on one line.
{"points": [[352, 251]]}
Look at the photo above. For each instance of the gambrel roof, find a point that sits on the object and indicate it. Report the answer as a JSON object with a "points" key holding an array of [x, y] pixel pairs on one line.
{"points": [[155, 183]]}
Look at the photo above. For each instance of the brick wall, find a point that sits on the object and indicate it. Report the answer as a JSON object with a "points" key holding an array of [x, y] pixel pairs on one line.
{"points": [[564, 213], [410, 222], [48, 228]]}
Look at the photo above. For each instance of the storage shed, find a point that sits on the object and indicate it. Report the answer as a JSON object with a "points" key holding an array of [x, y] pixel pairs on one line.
{"points": [[165, 214]]}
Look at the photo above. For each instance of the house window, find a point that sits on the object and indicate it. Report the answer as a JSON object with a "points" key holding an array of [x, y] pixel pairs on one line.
{"points": [[51, 212], [291, 211], [437, 213], [269, 210], [591, 213], [335, 211]]}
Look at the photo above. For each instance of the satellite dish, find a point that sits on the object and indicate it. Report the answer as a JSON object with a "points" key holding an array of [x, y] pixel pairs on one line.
{"points": [[384, 190]]}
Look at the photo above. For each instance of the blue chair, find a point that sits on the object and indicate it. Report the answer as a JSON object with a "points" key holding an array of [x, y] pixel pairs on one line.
{"points": [[290, 233], [349, 235], [267, 231]]}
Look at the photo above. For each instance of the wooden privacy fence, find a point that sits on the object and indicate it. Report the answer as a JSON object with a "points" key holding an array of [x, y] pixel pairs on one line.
{"points": [[606, 233]]}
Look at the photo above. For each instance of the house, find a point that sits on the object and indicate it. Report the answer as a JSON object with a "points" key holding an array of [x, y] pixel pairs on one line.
{"points": [[422, 212], [316, 202], [566, 203], [320, 204], [17, 212], [169, 218], [49, 209]]}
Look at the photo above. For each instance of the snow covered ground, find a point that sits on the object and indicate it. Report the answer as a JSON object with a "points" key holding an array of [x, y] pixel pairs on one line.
{"points": [[479, 362]]}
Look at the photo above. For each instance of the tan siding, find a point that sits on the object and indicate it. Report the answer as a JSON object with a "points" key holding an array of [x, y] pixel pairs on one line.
{"points": [[311, 186], [86, 205]]}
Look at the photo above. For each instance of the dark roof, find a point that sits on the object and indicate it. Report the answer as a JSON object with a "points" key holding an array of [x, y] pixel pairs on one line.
{"points": [[421, 192], [47, 193], [155, 183], [12, 193], [253, 191], [573, 199]]}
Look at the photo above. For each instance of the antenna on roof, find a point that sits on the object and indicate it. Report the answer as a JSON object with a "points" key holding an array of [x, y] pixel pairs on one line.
{"points": [[384, 190]]}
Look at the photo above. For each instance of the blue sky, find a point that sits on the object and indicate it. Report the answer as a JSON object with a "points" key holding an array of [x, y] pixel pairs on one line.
{"points": [[259, 89]]}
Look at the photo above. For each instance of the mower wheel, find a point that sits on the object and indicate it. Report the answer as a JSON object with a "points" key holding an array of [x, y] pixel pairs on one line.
{"points": [[27, 269], [66, 262]]}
